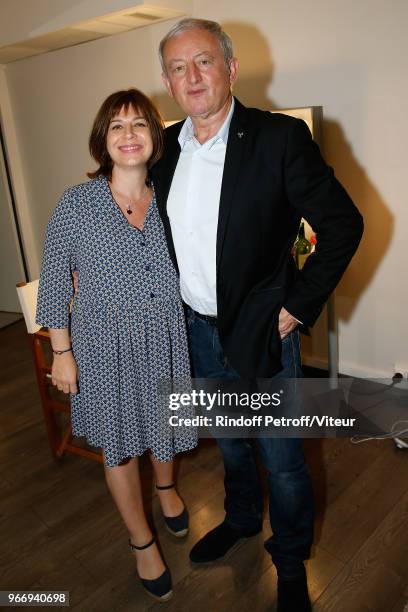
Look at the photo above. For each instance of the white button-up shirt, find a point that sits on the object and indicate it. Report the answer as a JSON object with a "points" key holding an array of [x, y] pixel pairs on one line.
{"points": [[193, 205]]}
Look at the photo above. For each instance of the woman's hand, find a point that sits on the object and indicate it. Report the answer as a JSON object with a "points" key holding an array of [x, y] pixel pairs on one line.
{"points": [[64, 373]]}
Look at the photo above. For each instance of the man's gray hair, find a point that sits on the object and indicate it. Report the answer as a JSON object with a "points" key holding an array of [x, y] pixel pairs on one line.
{"points": [[199, 24]]}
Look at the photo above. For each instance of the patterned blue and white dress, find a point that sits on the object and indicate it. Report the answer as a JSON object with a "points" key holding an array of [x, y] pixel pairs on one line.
{"points": [[127, 322]]}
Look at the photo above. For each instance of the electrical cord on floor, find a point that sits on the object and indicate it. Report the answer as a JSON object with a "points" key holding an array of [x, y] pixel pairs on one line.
{"points": [[393, 434], [386, 436]]}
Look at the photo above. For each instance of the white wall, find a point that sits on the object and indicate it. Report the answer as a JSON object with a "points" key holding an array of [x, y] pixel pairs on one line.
{"points": [[348, 57], [11, 268]]}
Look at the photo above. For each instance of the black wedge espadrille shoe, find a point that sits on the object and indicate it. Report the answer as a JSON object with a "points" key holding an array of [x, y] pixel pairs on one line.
{"points": [[176, 525], [159, 588]]}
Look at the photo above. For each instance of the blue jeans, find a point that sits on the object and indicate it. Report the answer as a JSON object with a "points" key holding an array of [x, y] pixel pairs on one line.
{"points": [[291, 506]]}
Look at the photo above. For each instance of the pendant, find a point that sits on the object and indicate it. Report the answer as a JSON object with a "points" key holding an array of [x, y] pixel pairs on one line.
{"points": [[129, 210]]}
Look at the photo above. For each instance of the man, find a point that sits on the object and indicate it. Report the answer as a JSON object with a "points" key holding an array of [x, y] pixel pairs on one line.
{"points": [[232, 187]]}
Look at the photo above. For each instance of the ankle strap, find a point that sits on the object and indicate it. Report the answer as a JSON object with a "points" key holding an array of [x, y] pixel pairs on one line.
{"points": [[134, 547], [164, 487]]}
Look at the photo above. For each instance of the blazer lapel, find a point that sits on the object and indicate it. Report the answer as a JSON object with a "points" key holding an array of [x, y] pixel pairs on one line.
{"points": [[233, 157], [162, 177], [167, 165]]}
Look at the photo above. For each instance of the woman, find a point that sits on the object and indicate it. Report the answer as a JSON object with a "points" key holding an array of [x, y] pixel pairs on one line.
{"points": [[127, 321]]}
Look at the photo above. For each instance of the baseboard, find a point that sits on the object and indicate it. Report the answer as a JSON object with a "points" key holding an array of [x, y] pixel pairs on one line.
{"points": [[347, 368]]}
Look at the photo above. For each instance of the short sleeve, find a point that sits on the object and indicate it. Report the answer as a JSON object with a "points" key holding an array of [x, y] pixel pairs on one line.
{"points": [[56, 286]]}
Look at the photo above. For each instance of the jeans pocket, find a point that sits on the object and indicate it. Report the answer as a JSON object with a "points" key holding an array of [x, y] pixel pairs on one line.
{"points": [[291, 359]]}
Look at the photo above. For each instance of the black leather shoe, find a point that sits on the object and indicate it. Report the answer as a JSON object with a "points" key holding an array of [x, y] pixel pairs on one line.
{"points": [[217, 542], [293, 595]]}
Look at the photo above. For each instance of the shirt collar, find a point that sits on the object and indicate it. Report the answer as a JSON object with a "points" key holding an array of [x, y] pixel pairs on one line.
{"points": [[187, 131]]}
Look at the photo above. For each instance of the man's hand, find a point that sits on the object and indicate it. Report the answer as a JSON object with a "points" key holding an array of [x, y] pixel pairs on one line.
{"points": [[64, 373], [287, 323]]}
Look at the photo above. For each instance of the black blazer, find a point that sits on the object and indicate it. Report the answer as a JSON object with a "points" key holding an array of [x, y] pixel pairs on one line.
{"points": [[273, 175]]}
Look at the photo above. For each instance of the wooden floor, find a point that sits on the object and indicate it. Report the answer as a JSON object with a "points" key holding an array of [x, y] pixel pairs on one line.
{"points": [[7, 318], [59, 528]]}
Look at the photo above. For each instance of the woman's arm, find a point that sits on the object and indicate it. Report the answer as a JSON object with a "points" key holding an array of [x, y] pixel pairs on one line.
{"points": [[55, 289], [64, 370]]}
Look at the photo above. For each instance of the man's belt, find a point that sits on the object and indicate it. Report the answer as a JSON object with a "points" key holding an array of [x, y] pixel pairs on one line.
{"points": [[207, 318]]}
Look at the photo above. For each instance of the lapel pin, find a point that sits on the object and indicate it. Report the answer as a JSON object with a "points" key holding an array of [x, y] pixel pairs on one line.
{"points": [[240, 134]]}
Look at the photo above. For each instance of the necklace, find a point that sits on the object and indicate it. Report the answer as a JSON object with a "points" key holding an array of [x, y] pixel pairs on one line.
{"points": [[129, 207]]}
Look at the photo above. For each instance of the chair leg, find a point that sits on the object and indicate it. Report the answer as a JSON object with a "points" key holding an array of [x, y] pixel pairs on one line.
{"points": [[66, 439], [60, 443], [54, 437]]}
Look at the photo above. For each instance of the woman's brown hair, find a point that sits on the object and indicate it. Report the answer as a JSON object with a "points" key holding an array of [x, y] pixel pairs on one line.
{"points": [[111, 107]]}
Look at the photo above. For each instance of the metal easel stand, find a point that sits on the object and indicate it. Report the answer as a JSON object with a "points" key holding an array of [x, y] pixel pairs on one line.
{"points": [[332, 342]]}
